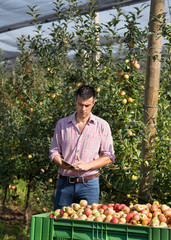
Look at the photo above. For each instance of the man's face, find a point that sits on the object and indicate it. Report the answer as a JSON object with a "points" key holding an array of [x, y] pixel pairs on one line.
{"points": [[84, 107]]}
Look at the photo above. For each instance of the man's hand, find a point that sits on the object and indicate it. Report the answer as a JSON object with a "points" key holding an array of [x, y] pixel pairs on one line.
{"points": [[57, 160], [64, 165], [80, 165], [95, 164]]}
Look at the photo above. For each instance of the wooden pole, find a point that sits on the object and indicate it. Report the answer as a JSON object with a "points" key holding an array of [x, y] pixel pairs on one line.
{"points": [[151, 100]]}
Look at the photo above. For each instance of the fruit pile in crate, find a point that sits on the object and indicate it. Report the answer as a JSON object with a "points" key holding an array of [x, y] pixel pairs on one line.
{"points": [[154, 215]]}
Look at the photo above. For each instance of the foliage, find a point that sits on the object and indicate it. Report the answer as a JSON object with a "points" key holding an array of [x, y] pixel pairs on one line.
{"points": [[41, 89]]}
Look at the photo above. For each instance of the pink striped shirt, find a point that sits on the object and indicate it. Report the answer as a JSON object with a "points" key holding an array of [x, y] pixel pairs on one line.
{"points": [[95, 140]]}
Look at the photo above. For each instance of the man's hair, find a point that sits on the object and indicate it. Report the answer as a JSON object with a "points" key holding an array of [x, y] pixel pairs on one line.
{"points": [[85, 92]]}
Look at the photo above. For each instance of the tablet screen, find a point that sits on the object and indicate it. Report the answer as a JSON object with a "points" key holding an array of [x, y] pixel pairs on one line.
{"points": [[69, 164]]}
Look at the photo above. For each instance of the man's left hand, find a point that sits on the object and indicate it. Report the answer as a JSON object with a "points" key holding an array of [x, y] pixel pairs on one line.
{"points": [[80, 165]]}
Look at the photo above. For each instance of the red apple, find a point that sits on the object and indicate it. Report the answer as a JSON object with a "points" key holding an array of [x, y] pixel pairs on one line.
{"points": [[162, 218], [142, 216], [121, 73], [70, 210], [115, 205], [51, 215], [129, 217], [169, 220], [164, 207], [108, 218], [118, 208], [110, 205], [145, 222], [90, 218], [75, 206], [104, 206], [83, 203], [133, 222], [116, 215], [148, 205], [109, 211], [146, 212], [88, 211], [136, 217], [94, 205], [80, 211], [153, 207], [125, 209], [101, 211], [133, 62], [114, 220], [167, 212], [156, 213], [98, 219], [74, 216]]}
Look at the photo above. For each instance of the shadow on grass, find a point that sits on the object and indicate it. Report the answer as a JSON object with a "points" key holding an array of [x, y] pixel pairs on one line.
{"points": [[14, 231], [11, 224]]}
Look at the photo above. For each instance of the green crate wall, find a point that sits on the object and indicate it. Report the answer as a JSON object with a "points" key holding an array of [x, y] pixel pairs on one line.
{"points": [[45, 228]]}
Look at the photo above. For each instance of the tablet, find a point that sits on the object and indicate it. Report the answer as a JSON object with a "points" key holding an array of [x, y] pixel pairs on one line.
{"points": [[69, 164]]}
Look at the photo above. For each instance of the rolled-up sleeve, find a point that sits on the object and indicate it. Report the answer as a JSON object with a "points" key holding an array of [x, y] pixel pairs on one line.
{"points": [[55, 148], [106, 148]]}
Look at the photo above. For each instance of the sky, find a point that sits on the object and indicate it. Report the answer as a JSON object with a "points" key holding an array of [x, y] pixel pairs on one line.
{"points": [[8, 40]]}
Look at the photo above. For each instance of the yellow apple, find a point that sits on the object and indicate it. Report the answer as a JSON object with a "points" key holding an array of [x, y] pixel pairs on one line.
{"points": [[137, 66], [78, 84], [98, 90], [126, 76], [124, 100], [122, 92], [130, 99], [52, 95]]}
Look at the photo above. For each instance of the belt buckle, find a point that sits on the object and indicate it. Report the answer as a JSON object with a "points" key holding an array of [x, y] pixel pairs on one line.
{"points": [[70, 181]]}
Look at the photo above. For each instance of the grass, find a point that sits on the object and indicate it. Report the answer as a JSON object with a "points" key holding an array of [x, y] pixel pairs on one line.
{"points": [[12, 216], [13, 231]]}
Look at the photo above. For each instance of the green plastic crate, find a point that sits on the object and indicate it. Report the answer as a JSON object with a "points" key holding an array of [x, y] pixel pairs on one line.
{"points": [[45, 228]]}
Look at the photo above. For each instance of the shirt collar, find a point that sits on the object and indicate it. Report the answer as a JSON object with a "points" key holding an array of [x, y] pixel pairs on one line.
{"points": [[72, 119]]}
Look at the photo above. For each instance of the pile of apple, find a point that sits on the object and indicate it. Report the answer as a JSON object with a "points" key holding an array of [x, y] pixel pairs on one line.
{"points": [[154, 215]]}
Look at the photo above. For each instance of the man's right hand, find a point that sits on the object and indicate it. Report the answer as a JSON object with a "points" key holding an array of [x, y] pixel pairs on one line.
{"points": [[57, 160]]}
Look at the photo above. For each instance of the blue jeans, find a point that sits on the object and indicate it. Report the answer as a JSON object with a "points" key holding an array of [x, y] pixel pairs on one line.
{"points": [[68, 193]]}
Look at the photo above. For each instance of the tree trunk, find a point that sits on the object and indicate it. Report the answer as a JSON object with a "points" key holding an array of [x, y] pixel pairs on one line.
{"points": [[26, 214], [4, 198], [151, 101]]}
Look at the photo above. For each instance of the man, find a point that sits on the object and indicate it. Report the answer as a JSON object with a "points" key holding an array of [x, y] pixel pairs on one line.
{"points": [[85, 141]]}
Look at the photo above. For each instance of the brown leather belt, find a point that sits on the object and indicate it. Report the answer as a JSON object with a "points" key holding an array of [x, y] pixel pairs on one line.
{"points": [[78, 179]]}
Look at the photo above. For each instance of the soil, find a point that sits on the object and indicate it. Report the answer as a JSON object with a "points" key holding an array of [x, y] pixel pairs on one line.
{"points": [[14, 214]]}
